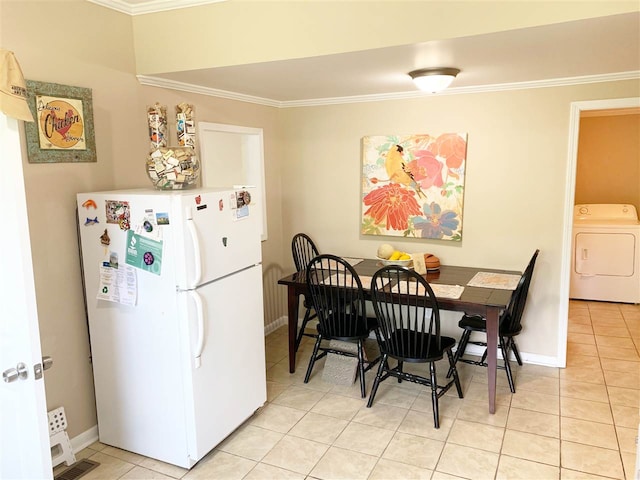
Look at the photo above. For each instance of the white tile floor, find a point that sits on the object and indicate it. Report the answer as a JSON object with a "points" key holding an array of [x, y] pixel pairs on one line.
{"points": [[575, 423]]}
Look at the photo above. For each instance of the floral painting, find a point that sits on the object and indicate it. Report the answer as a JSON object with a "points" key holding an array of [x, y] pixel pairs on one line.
{"points": [[413, 185]]}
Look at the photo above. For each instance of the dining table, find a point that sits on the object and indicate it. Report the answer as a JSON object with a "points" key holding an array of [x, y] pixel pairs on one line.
{"points": [[488, 301]]}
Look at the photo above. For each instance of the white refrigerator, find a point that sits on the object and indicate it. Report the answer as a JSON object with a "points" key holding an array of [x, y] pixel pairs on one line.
{"points": [[173, 289]]}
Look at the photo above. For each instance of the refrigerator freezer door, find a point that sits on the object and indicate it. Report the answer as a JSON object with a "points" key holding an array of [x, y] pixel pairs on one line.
{"points": [[217, 237], [228, 382]]}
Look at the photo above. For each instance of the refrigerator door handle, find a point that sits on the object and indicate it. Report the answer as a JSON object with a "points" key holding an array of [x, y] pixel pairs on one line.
{"points": [[191, 226], [200, 319]]}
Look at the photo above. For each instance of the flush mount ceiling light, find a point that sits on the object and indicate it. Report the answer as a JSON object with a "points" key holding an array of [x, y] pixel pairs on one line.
{"points": [[433, 79]]}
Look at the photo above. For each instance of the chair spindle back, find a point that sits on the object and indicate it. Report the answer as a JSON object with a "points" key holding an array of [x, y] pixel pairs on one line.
{"points": [[303, 250], [510, 320], [408, 313], [337, 296]]}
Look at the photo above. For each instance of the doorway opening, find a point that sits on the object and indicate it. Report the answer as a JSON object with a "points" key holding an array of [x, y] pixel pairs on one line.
{"points": [[233, 155], [577, 109]]}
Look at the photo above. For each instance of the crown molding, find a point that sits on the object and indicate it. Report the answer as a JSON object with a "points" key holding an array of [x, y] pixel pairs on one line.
{"points": [[212, 92], [314, 102], [150, 6]]}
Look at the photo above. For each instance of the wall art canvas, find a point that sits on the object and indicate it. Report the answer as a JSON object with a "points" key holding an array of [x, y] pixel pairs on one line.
{"points": [[413, 185]]}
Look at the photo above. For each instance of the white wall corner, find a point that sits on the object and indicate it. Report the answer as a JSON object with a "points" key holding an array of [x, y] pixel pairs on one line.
{"points": [[273, 326]]}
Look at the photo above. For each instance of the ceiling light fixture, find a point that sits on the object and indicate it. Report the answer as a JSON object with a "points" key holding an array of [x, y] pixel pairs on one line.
{"points": [[433, 80]]}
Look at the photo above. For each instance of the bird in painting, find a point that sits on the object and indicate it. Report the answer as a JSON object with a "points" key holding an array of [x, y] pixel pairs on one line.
{"points": [[396, 169]]}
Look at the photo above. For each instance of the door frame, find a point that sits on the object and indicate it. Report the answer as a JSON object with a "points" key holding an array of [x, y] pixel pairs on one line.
{"points": [[570, 189], [250, 155]]}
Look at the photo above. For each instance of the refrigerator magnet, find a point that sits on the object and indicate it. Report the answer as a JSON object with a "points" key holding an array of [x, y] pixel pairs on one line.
{"points": [[149, 220], [148, 228], [118, 212], [198, 200], [91, 221], [89, 204], [105, 239], [243, 198], [162, 218], [148, 258], [242, 212], [124, 224]]}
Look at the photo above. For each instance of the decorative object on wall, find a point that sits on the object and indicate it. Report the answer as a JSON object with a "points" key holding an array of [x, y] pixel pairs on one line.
{"points": [[185, 125], [413, 185], [157, 120], [172, 167], [13, 89], [63, 127]]}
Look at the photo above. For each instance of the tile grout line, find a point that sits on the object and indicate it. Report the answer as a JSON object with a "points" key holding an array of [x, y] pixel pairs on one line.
{"points": [[407, 407]]}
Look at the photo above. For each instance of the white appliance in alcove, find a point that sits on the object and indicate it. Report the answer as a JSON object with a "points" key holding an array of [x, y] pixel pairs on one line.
{"points": [[606, 253], [234, 155]]}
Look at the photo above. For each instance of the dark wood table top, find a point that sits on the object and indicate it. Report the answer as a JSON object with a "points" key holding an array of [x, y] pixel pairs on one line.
{"points": [[472, 300]]}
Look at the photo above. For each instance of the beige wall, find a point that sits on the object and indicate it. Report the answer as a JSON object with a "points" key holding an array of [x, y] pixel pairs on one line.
{"points": [[97, 52], [515, 184], [63, 42], [514, 191], [608, 168]]}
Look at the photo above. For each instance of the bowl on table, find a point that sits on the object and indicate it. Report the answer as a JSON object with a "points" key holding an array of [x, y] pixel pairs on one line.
{"points": [[400, 263]]}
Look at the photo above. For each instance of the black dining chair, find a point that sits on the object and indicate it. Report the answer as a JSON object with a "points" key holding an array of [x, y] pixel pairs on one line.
{"points": [[338, 298], [303, 250], [409, 321], [509, 327]]}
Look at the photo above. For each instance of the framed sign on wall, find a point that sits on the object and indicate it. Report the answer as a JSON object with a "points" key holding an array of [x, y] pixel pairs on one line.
{"points": [[63, 126]]}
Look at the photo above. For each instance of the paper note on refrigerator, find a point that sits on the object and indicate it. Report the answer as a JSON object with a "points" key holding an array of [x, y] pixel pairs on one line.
{"points": [[144, 253], [119, 285]]}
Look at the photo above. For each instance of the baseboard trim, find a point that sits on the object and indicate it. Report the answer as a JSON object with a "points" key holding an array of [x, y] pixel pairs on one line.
{"points": [[273, 326], [86, 438], [532, 358]]}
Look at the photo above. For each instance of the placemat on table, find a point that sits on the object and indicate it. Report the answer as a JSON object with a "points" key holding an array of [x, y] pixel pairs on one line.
{"points": [[504, 281], [441, 290]]}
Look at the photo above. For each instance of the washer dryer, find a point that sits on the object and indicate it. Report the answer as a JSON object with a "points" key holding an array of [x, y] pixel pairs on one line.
{"points": [[606, 253]]}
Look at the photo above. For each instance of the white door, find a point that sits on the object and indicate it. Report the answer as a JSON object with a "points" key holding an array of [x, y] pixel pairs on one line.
{"points": [[24, 430]]}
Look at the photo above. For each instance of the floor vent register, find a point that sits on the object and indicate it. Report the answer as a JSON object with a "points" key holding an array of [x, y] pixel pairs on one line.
{"points": [[77, 470]]}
